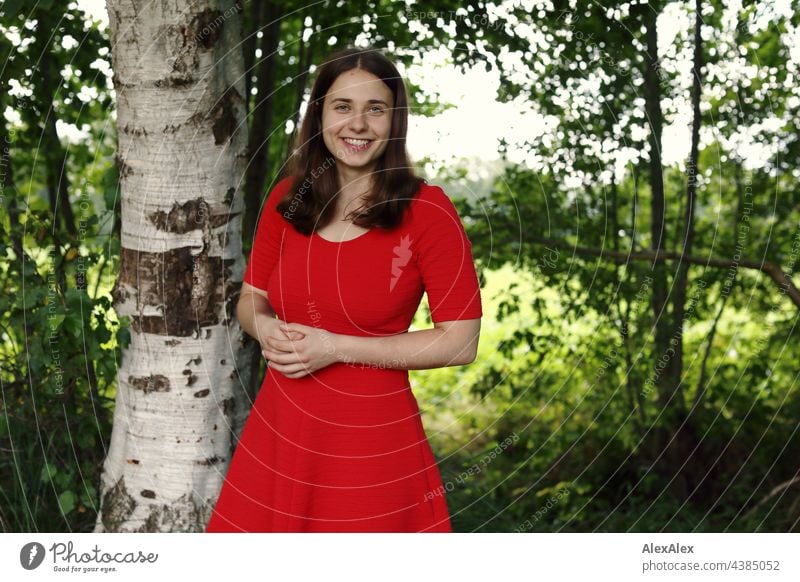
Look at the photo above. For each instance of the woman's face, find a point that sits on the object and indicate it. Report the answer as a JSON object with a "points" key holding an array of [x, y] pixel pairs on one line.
{"points": [[357, 119]]}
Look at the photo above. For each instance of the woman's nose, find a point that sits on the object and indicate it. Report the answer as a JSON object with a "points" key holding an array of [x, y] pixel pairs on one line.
{"points": [[358, 123]]}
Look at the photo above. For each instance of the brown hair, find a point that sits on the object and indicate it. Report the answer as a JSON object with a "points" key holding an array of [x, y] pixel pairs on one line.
{"points": [[307, 204]]}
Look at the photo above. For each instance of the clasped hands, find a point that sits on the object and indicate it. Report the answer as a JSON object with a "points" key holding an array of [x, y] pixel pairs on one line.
{"points": [[295, 350]]}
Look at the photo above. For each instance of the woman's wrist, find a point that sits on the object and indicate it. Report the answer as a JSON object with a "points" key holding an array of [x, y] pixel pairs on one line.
{"points": [[266, 325], [343, 343]]}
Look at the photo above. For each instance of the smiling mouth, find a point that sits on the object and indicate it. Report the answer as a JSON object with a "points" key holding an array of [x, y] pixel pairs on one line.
{"points": [[357, 145]]}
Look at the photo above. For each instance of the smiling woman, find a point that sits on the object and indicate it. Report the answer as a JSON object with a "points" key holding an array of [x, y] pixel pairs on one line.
{"points": [[358, 115], [335, 441]]}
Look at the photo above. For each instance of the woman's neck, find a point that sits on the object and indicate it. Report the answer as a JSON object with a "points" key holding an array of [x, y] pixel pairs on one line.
{"points": [[353, 185]]}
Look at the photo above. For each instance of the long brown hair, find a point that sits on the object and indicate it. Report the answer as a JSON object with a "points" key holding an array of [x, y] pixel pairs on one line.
{"points": [[308, 202]]}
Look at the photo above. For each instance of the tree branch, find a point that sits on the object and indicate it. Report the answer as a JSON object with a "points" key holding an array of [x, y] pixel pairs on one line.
{"points": [[783, 280], [777, 489]]}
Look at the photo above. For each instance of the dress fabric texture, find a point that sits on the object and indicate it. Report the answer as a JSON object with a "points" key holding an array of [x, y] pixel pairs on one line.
{"points": [[343, 449]]}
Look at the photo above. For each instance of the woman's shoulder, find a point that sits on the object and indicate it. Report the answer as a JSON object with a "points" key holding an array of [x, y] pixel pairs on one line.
{"points": [[429, 192], [277, 193], [280, 189], [431, 203]]}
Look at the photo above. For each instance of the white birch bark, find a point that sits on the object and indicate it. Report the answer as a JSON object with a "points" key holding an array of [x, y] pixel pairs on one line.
{"points": [[182, 141]]}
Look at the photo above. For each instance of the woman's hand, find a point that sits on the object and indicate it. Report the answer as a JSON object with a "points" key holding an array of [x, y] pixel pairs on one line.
{"points": [[269, 327], [306, 350]]}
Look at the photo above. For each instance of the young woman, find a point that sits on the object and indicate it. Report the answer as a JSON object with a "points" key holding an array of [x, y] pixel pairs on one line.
{"points": [[346, 245]]}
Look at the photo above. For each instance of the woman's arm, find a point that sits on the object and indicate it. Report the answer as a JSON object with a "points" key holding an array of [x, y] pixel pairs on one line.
{"points": [[450, 343], [256, 316]]}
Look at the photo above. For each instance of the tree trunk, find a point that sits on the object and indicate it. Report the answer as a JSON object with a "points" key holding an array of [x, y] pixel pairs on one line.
{"points": [[178, 74], [661, 320], [262, 117], [685, 441], [657, 220], [666, 456]]}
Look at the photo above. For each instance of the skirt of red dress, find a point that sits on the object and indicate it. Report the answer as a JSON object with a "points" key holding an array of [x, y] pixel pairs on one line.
{"points": [[342, 450]]}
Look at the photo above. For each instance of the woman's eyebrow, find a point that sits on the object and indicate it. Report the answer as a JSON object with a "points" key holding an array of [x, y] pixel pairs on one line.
{"points": [[369, 101]]}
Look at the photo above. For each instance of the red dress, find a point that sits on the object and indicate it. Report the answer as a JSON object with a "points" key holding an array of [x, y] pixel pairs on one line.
{"points": [[343, 449]]}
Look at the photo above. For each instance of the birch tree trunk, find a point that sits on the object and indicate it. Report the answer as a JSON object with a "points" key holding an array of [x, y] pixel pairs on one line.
{"points": [[182, 152]]}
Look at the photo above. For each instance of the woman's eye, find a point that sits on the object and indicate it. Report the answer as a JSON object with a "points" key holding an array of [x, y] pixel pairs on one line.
{"points": [[375, 109]]}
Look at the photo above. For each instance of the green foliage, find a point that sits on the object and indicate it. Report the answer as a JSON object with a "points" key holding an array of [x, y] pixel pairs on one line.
{"points": [[60, 336], [566, 345], [576, 431], [59, 356]]}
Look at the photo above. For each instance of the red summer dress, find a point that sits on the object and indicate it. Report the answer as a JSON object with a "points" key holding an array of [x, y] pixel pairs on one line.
{"points": [[343, 449]]}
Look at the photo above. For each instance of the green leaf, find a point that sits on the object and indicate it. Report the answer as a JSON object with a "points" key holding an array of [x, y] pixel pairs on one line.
{"points": [[88, 495], [124, 336], [48, 471], [56, 319], [67, 501], [85, 439]]}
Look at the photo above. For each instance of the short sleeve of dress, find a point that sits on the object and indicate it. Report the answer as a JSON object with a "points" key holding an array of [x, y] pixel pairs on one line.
{"points": [[444, 258], [266, 245]]}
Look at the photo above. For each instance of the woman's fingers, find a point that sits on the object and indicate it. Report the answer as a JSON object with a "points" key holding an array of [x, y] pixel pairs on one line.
{"points": [[281, 357], [283, 345], [289, 370], [280, 345]]}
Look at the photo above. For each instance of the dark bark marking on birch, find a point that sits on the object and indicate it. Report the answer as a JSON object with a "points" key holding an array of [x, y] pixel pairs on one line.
{"points": [[137, 131], [223, 117], [189, 216], [187, 288], [229, 196], [151, 383], [123, 169], [207, 27], [210, 460], [185, 514], [228, 406], [117, 506]]}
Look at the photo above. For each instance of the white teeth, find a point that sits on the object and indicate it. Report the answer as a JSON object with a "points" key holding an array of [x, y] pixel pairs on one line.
{"points": [[356, 142]]}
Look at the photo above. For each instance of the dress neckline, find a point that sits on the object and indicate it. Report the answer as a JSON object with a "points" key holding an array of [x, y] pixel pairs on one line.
{"points": [[342, 242]]}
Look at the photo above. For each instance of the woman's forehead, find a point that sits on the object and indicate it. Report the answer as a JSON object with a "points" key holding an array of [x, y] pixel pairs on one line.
{"points": [[357, 84]]}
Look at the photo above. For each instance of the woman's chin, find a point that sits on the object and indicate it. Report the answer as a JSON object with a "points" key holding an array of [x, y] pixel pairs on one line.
{"points": [[356, 163]]}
